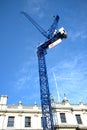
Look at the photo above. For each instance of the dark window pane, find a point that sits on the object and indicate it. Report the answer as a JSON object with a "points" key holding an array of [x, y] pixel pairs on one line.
{"points": [[10, 121], [63, 118], [78, 118], [27, 121], [43, 121]]}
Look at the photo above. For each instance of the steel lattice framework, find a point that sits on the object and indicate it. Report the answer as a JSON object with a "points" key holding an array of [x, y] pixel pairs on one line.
{"points": [[47, 117], [54, 37]]}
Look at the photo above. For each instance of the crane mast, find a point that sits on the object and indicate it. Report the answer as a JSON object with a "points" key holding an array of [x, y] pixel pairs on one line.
{"points": [[47, 116], [47, 119], [53, 38]]}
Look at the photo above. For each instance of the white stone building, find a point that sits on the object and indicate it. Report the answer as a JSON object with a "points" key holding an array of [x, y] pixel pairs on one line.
{"points": [[66, 116]]}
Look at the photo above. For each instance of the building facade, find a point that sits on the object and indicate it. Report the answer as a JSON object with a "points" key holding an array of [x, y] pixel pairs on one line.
{"points": [[66, 116]]}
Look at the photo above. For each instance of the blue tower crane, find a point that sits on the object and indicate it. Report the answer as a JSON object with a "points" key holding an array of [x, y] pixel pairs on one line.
{"points": [[53, 37]]}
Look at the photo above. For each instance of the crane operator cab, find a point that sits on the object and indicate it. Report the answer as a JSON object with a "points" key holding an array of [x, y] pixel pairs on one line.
{"points": [[58, 35], [61, 31]]}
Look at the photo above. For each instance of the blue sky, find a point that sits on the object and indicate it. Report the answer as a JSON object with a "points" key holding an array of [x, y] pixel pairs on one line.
{"points": [[18, 42]]}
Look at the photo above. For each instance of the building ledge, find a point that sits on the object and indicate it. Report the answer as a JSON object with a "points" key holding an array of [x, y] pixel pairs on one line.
{"points": [[66, 126], [77, 127], [81, 128]]}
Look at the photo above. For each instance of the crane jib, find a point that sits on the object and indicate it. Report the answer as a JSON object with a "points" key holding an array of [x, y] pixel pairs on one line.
{"points": [[48, 34]]}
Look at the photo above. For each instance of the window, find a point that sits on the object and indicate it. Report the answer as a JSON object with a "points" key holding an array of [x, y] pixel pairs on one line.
{"points": [[43, 119], [10, 121], [63, 118], [41, 122], [27, 121], [78, 118]]}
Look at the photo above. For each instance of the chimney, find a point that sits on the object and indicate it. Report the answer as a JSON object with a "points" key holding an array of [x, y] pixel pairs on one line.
{"points": [[3, 99]]}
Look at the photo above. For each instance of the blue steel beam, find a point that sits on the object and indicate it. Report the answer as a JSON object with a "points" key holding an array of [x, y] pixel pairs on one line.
{"points": [[47, 118], [52, 36]]}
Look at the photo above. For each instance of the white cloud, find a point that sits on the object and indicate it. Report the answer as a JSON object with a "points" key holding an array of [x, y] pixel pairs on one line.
{"points": [[71, 76], [74, 35], [25, 74], [21, 82], [35, 7]]}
